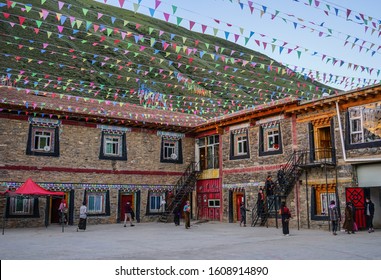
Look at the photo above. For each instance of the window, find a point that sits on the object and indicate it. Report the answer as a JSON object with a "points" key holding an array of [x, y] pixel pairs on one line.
{"points": [[239, 144], [321, 195], [171, 150], [365, 124], [96, 203], [214, 203], [156, 200], [270, 141], [113, 146], [21, 206], [209, 152], [43, 141]]}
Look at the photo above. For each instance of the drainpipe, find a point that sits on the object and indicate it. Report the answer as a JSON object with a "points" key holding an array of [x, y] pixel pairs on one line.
{"points": [[349, 160]]}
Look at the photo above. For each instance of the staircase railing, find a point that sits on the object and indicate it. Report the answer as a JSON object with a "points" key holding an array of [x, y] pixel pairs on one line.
{"points": [[286, 179], [183, 186]]}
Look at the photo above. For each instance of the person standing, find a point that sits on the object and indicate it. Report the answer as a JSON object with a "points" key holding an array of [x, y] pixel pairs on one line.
{"points": [[128, 214], [369, 213], [187, 210], [269, 187], [62, 209], [334, 216], [286, 216], [260, 204], [243, 210], [348, 220], [82, 217], [176, 213], [355, 228]]}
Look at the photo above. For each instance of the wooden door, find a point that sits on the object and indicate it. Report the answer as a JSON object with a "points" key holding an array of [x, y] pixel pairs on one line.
{"points": [[123, 201], [323, 143], [202, 203]]}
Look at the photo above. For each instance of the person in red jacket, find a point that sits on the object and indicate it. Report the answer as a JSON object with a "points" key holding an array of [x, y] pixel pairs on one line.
{"points": [[286, 215]]}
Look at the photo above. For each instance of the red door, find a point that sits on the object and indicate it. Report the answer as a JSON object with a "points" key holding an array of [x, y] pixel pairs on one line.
{"points": [[239, 200], [357, 196], [123, 201]]}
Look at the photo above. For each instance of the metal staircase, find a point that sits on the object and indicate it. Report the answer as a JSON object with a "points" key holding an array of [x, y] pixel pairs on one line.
{"points": [[286, 179], [182, 188]]}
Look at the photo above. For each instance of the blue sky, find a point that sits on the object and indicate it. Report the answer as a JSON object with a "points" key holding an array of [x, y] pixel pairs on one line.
{"points": [[297, 26]]}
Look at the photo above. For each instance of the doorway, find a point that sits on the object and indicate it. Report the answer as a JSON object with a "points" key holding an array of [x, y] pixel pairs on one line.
{"points": [[238, 199], [55, 215], [123, 201], [323, 143]]}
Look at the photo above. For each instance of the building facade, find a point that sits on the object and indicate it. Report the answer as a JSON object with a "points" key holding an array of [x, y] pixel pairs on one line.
{"points": [[317, 151]]}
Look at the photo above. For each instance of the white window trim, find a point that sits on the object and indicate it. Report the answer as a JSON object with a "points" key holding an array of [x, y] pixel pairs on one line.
{"points": [[102, 203], [357, 132], [175, 149], [273, 136], [49, 147], [240, 139], [108, 141], [161, 197], [27, 206], [214, 203]]}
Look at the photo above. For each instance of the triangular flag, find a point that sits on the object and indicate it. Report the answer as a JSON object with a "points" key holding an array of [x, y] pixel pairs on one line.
{"points": [[121, 3]]}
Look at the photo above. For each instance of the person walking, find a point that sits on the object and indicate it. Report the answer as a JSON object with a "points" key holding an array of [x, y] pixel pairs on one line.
{"points": [[82, 217], [128, 214], [369, 213], [348, 219], [334, 216], [286, 216], [243, 210], [187, 210]]}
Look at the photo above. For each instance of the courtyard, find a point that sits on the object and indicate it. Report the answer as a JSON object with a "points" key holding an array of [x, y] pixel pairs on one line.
{"points": [[203, 241]]}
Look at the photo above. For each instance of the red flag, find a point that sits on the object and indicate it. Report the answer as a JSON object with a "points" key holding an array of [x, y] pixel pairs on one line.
{"points": [[21, 19]]}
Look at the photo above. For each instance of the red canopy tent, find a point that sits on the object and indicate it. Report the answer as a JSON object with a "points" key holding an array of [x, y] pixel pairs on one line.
{"points": [[30, 188]]}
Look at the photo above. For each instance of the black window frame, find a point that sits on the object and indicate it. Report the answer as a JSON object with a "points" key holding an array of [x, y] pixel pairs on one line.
{"points": [[179, 159], [35, 214], [233, 155], [56, 143]]}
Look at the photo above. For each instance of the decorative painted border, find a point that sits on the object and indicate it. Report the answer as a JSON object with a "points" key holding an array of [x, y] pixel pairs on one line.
{"points": [[92, 187], [170, 135], [241, 185]]}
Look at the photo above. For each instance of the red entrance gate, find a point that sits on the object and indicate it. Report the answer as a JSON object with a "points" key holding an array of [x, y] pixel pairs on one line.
{"points": [[208, 199], [357, 196]]}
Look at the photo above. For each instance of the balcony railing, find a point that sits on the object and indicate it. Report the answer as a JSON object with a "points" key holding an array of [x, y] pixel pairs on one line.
{"points": [[318, 157]]}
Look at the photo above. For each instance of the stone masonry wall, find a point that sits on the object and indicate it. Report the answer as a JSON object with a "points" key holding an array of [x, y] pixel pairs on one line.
{"points": [[79, 163]]}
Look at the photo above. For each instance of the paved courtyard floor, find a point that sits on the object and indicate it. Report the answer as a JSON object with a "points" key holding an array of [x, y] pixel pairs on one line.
{"points": [[203, 241]]}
